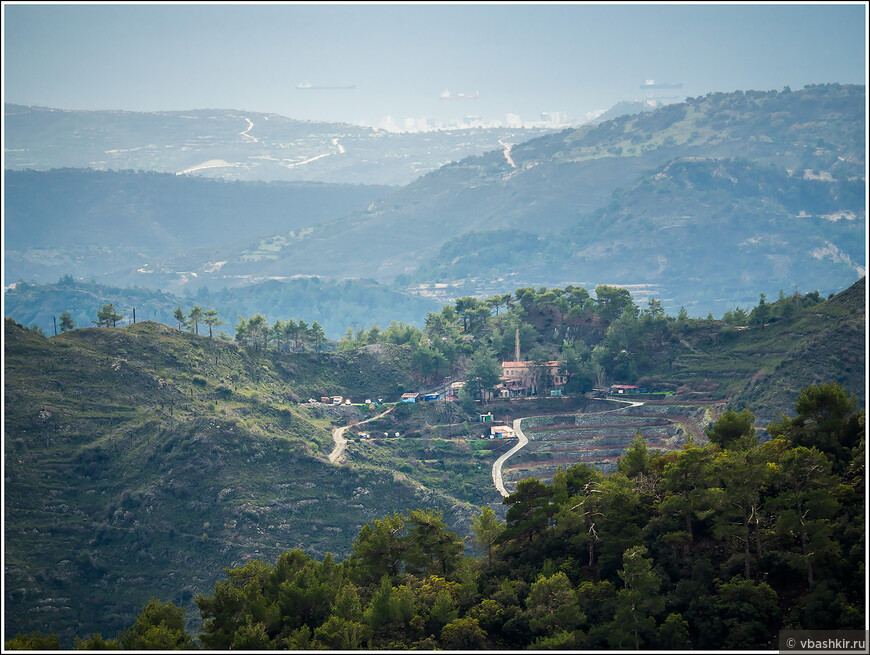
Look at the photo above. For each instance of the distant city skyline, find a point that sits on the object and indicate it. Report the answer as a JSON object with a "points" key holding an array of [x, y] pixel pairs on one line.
{"points": [[492, 60]]}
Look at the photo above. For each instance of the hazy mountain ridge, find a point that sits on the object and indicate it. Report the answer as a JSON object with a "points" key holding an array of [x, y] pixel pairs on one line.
{"points": [[335, 305], [573, 179], [235, 145], [106, 225], [597, 197], [160, 212], [685, 212]]}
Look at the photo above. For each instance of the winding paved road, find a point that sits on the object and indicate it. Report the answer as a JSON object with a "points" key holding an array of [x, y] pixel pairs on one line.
{"points": [[497, 466], [523, 440], [245, 133]]}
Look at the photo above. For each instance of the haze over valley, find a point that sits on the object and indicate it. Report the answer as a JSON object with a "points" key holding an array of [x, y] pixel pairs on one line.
{"points": [[781, 199]]}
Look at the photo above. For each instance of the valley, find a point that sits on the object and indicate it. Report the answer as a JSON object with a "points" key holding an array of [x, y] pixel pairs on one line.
{"points": [[760, 174]]}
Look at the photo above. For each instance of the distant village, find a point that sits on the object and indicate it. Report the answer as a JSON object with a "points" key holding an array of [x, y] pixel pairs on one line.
{"points": [[518, 379]]}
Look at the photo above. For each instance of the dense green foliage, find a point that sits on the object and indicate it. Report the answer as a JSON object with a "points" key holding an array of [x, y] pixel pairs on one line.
{"points": [[713, 547], [607, 338]]}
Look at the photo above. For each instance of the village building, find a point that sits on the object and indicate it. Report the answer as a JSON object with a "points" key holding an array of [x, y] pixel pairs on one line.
{"points": [[529, 378], [410, 397], [501, 432], [452, 394], [626, 388]]}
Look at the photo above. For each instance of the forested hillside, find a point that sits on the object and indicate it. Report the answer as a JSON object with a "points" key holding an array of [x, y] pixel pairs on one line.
{"points": [[757, 359], [714, 547], [140, 460]]}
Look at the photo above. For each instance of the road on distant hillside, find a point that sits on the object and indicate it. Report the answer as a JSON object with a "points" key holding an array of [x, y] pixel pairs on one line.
{"points": [[341, 442], [307, 161], [507, 153], [523, 440], [497, 466], [245, 133]]}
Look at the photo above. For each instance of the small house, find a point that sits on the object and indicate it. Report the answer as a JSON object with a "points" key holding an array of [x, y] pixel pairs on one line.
{"points": [[485, 418], [431, 396], [326, 400], [502, 431], [626, 388], [336, 400], [410, 397]]}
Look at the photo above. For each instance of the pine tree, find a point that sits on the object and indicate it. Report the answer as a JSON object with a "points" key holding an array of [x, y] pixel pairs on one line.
{"points": [[66, 322], [209, 317], [195, 317], [180, 318]]}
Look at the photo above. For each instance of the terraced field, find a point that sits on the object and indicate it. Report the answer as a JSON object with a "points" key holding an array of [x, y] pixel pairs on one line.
{"points": [[600, 437]]}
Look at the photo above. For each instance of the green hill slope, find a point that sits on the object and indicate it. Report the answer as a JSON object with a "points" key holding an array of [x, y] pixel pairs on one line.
{"points": [[827, 344], [141, 460], [764, 369]]}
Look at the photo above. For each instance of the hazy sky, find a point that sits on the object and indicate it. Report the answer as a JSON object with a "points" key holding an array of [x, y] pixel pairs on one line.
{"points": [[520, 58]]}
